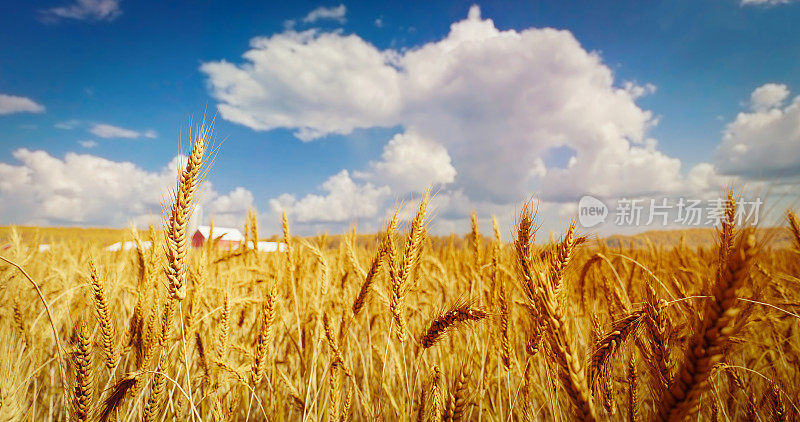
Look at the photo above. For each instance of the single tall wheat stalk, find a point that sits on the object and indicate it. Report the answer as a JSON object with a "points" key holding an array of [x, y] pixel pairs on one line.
{"points": [[181, 210]]}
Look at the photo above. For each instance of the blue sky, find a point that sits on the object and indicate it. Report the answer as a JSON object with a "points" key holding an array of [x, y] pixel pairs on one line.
{"points": [[117, 83]]}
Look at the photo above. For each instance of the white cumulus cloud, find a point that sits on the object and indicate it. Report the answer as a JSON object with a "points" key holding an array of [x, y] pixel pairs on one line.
{"points": [[343, 200], [490, 115], [10, 104], [763, 143], [317, 83], [85, 189], [768, 96], [496, 102], [411, 163], [228, 209]]}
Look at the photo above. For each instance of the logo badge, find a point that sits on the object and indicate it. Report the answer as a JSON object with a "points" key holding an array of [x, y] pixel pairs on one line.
{"points": [[591, 211]]}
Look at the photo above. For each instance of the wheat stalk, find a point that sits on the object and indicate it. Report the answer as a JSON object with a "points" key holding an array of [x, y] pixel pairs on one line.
{"points": [[794, 227], [103, 317], [457, 314], [181, 209], [83, 392], [544, 294], [264, 343], [411, 255], [475, 239], [633, 397], [377, 262], [605, 347], [458, 397], [683, 398], [337, 358]]}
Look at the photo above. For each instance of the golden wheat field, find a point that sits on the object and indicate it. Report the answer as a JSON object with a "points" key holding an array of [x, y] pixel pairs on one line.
{"points": [[397, 326]]}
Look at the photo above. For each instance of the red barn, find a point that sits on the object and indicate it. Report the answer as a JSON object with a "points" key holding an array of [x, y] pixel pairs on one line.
{"points": [[228, 238]]}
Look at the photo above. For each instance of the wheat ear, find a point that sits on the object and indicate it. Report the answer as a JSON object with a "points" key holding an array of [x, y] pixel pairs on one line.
{"points": [[157, 388], [136, 320], [287, 240], [457, 401], [350, 251], [224, 328], [84, 395], [659, 358], [633, 397], [116, 396], [377, 262], [457, 314], [502, 306], [794, 227], [544, 293], [411, 255], [475, 241], [333, 393], [430, 392], [706, 349], [348, 402], [337, 358], [264, 342], [177, 224], [103, 316], [606, 346]]}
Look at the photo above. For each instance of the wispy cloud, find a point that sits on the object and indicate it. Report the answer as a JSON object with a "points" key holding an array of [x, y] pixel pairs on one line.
{"points": [[110, 131], [84, 10], [10, 104], [67, 124], [88, 143], [764, 2], [331, 13]]}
